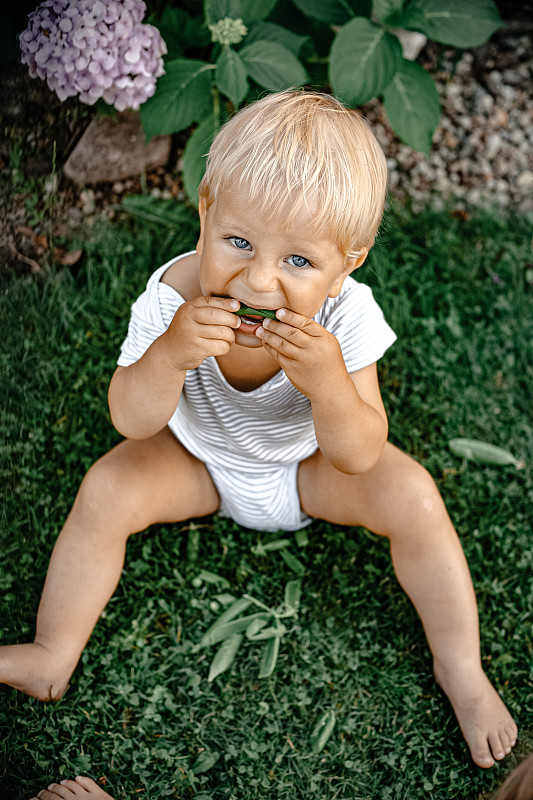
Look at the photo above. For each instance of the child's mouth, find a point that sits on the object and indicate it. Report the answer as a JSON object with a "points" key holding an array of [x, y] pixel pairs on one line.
{"points": [[252, 318]]}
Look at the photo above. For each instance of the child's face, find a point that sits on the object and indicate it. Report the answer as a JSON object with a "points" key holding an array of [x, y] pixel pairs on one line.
{"points": [[256, 260]]}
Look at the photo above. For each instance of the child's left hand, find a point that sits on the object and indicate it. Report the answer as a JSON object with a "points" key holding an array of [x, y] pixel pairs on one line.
{"points": [[310, 356]]}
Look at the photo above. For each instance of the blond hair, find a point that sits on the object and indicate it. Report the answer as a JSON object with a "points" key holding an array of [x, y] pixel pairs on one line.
{"points": [[297, 148], [519, 784]]}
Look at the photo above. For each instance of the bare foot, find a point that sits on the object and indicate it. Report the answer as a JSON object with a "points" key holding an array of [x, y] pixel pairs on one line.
{"points": [[485, 722], [32, 669], [80, 787]]}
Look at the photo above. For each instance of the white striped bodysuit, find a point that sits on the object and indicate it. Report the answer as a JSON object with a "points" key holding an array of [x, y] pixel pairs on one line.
{"points": [[252, 442]]}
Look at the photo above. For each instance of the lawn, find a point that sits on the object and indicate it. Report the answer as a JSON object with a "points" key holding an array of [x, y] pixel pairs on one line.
{"points": [[141, 715]]}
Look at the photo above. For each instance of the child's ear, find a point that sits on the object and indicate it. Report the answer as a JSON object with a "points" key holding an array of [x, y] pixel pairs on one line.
{"points": [[351, 263], [202, 210]]}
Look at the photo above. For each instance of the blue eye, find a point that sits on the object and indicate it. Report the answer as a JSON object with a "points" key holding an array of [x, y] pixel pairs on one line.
{"points": [[298, 261], [242, 244]]}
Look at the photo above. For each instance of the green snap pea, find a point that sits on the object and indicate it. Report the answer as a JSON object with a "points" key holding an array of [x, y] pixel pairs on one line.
{"points": [[262, 312], [322, 731]]}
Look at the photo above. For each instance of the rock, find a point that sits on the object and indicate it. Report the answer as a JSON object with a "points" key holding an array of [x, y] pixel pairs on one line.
{"points": [[112, 150], [525, 179]]}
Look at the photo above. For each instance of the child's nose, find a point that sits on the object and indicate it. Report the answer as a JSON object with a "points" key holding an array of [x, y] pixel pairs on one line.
{"points": [[261, 275]]}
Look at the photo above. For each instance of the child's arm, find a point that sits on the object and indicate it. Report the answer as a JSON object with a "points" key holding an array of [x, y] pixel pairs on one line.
{"points": [[144, 396], [348, 413]]}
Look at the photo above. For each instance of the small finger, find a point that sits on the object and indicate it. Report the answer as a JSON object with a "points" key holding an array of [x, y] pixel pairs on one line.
{"points": [[278, 343], [228, 303], [295, 320]]}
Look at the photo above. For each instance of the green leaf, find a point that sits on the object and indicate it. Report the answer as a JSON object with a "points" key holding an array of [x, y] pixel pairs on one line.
{"points": [[386, 9], [335, 12], [273, 66], [322, 731], [205, 761], [270, 657], [293, 593], [195, 154], [483, 452], [164, 212], [455, 22], [247, 10], [269, 31], [231, 76], [182, 96], [412, 105], [220, 9], [363, 60], [179, 31], [224, 656], [292, 562], [253, 10]]}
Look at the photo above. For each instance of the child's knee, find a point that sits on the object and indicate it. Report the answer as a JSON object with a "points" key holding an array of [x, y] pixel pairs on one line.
{"points": [[418, 491], [108, 492]]}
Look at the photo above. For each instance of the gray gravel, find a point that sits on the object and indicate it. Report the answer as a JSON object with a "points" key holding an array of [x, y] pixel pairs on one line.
{"points": [[482, 153]]}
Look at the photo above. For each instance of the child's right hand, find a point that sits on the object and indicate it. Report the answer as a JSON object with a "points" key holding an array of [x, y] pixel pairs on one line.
{"points": [[201, 328]]}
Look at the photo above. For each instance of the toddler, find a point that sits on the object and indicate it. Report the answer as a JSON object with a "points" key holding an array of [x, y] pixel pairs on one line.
{"points": [[273, 422]]}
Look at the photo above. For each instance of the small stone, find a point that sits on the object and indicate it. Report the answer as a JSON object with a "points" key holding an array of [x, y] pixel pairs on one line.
{"points": [[118, 187], [525, 179]]}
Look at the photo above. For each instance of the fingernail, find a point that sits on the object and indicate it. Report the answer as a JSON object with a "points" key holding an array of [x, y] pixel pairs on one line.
{"points": [[266, 322], [260, 331], [235, 305]]}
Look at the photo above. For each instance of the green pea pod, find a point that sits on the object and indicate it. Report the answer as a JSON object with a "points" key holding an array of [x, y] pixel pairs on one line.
{"points": [[482, 452], [292, 562], [293, 591], [267, 633], [256, 625], [224, 656], [270, 657], [262, 312], [269, 547], [217, 633], [322, 731]]}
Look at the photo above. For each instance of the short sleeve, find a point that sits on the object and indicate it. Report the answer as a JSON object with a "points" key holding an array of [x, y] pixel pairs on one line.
{"points": [[357, 321], [151, 314]]}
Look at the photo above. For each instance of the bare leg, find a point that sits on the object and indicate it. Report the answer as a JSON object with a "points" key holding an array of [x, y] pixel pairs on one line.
{"points": [[398, 499], [80, 788], [134, 485]]}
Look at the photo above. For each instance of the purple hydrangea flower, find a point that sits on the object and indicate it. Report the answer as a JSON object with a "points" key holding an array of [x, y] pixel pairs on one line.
{"points": [[94, 49]]}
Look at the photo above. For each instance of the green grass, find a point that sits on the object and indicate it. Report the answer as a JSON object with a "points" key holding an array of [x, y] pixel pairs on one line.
{"points": [[140, 709]]}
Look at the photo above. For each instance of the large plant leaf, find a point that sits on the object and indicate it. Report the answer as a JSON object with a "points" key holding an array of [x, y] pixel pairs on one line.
{"points": [[179, 30], [335, 12], [182, 96], [412, 105], [386, 10], [220, 9], [273, 66], [231, 76], [247, 10], [252, 10], [458, 23], [363, 60], [269, 31]]}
